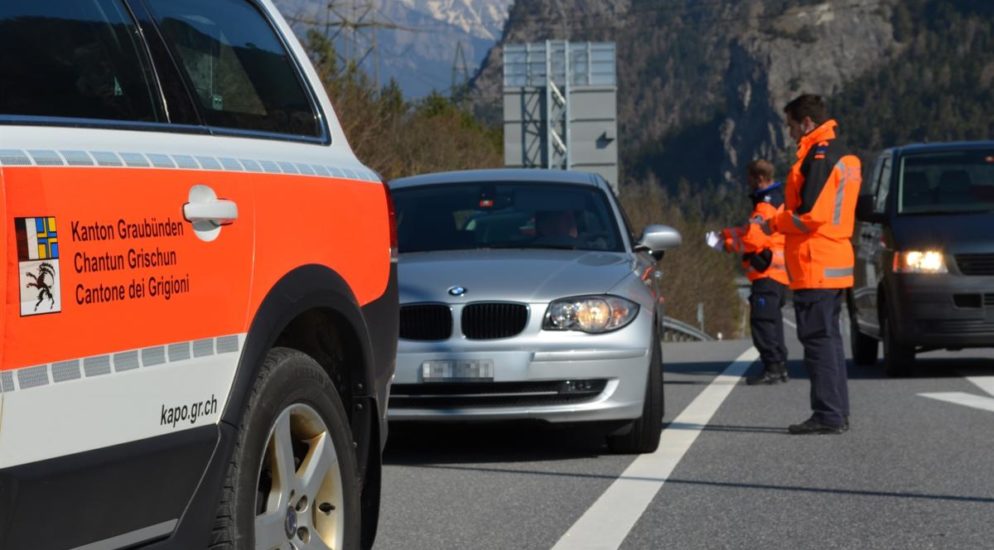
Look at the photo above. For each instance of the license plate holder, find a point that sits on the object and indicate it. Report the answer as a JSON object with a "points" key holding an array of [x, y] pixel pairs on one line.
{"points": [[457, 370]]}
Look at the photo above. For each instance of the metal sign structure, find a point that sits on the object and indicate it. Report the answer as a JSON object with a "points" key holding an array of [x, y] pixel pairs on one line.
{"points": [[560, 107]]}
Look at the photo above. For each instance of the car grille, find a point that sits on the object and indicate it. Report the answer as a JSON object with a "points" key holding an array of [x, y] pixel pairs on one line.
{"points": [[486, 321], [425, 322], [958, 326], [494, 394], [975, 264]]}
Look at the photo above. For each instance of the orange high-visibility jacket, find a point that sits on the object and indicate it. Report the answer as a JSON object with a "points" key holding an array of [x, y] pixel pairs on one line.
{"points": [[819, 211], [750, 241]]}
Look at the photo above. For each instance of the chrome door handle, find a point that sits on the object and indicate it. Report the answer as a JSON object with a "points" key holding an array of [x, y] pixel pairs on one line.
{"points": [[218, 212], [205, 208]]}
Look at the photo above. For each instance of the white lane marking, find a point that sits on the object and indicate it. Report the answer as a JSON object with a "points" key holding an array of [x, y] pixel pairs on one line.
{"points": [[985, 383], [611, 517], [965, 399]]}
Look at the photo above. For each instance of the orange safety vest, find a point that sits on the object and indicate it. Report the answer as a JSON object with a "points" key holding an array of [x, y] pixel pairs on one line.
{"points": [[749, 240], [819, 211]]}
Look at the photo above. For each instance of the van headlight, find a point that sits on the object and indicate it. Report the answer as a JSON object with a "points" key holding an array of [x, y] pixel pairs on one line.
{"points": [[920, 261], [592, 314]]}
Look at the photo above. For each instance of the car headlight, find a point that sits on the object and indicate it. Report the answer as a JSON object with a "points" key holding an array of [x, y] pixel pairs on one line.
{"points": [[920, 261], [593, 314]]}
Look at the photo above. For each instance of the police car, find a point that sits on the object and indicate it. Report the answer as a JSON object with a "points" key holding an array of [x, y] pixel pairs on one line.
{"points": [[201, 306]]}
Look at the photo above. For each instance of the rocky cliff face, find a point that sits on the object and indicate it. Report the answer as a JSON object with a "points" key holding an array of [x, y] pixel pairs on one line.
{"points": [[702, 84]]}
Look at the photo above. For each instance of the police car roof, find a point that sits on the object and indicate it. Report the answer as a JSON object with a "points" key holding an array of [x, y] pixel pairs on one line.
{"points": [[499, 175]]}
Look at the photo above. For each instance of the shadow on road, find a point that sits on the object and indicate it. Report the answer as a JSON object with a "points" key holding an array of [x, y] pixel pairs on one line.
{"points": [[826, 491], [710, 368], [439, 443]]}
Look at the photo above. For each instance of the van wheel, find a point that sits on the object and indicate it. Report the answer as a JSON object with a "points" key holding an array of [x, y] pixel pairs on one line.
{"points": [[293, 480], [864, 348], [898, 359], [645, 432]]}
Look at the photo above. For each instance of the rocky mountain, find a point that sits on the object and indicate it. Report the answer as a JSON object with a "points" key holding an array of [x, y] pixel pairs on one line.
{"points": [[418, 43], [702, 83]]}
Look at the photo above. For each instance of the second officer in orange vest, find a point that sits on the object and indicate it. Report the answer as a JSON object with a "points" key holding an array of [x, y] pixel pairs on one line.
{"points": [[763, 262], [817, 219]]}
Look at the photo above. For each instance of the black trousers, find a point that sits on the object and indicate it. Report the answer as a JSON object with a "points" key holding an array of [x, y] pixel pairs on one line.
{"points": [[766, 320], [819, 331]]}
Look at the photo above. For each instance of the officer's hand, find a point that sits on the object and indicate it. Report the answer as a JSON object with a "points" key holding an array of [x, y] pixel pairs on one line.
{"points": [[762, 223], [714, 240]]}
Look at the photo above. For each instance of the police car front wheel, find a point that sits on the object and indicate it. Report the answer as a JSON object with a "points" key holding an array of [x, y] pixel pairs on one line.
{"points": [[292, 482]]}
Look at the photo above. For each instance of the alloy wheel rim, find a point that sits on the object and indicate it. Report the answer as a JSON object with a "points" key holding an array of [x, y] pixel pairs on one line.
{"points": [[299, 500]]}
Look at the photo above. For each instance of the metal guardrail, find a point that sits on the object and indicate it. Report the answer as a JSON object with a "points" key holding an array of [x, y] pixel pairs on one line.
{"points": [[678, 331]]}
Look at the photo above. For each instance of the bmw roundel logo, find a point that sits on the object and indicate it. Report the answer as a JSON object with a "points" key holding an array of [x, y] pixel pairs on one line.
{"points": [[457, 291]]}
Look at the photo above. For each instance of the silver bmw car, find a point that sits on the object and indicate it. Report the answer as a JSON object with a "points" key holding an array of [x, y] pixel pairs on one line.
{"points": [[524, 295]]}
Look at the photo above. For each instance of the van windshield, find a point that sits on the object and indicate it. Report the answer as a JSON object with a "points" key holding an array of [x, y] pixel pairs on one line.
{"points": [[504, 215], [947, 183]]}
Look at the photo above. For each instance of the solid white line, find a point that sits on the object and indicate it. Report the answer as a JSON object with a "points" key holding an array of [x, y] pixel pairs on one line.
{"points": [[985, 383], [964, 399], [611, 517]]}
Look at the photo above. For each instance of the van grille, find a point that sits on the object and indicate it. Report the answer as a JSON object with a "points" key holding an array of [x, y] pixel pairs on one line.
{"points": [[957, 326], [487, 321], [425, 322], [976, 264]]}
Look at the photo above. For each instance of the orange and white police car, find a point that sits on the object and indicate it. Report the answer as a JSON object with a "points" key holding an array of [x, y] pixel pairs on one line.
{"points": [[200, 314]]}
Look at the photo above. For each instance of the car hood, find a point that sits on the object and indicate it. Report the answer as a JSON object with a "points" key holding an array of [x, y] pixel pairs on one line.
{"points": [[950, 232], [509, 275]]}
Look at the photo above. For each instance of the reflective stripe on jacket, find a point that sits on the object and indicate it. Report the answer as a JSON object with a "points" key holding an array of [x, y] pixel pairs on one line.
{"points": [[750, 240], [819, 211]]}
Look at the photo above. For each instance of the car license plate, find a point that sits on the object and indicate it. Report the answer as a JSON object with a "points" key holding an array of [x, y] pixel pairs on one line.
{"points": [[457, 370]]}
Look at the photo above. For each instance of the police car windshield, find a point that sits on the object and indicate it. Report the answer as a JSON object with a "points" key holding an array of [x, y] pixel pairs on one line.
{"points": [[504, 215], [947, 183]]}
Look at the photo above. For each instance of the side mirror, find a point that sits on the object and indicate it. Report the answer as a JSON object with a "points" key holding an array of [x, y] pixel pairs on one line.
{"points": [[657, 239], [865, 212]]}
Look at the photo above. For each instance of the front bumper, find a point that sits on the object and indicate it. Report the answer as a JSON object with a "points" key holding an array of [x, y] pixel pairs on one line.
{"points": [[944, 311], [550, 376]]}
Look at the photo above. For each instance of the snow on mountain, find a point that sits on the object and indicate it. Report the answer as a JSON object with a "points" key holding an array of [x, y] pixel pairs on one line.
{"points": [[418, 42]]}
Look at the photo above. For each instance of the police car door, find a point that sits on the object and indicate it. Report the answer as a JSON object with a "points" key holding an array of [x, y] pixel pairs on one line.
{"points": [[129, 245]]}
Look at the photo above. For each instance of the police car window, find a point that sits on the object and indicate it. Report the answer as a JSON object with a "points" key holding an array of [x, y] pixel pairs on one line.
{"points": [[241, 75], [74, 59]]}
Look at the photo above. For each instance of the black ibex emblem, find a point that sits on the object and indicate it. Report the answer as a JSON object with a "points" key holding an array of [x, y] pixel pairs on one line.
{"points": [[43, 281]]}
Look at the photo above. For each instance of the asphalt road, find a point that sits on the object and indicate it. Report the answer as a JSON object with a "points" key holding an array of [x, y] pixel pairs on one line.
{"points": [[913, 472]]}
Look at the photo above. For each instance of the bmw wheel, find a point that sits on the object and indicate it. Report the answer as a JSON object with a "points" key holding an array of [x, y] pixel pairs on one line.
{"points": [[646, 431]]}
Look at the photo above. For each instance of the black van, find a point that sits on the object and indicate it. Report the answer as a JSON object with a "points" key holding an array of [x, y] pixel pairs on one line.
{"points": [[924, 247]]}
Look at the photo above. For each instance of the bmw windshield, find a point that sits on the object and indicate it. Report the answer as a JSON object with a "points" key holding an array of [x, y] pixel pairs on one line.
{"points": [[947, 183], [505, 215]]}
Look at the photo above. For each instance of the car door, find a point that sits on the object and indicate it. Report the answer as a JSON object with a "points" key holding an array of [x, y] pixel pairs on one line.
{"points": [[129, 244], [871, 248]]}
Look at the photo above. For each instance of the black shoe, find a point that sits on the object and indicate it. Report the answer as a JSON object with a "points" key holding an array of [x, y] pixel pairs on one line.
{"points": [[813, 427], [772, 374]]}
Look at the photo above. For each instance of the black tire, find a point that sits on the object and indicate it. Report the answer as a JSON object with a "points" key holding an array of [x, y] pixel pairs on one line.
{"points": [[899, 359], [864, 348], [645, 432], [288, 381]]}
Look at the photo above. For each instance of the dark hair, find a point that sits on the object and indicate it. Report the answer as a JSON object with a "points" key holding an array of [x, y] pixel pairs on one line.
{"points": [[760, 168], [807, 105]]}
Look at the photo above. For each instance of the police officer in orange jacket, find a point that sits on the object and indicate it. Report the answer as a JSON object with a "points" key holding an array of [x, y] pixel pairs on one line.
{"points": [[763, 261], [817, 220]]}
